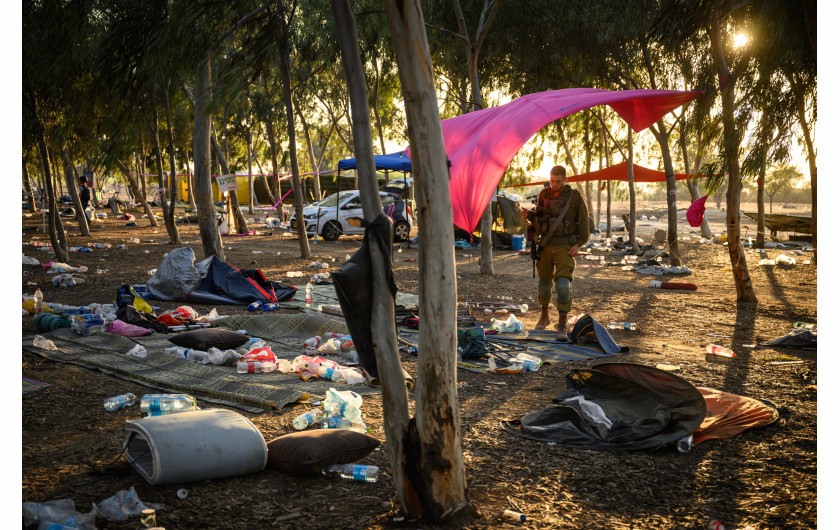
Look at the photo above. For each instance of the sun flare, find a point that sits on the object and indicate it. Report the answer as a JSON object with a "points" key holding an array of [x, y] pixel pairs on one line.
{"points": [[740, 40]]}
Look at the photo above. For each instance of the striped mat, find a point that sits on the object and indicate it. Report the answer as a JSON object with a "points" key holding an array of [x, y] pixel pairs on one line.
{"points": [[30, 385], [325, 295], [164, 372]]}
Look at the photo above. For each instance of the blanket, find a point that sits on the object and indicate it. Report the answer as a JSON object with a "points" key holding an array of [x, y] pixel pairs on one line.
{"points": [[215, 384]]}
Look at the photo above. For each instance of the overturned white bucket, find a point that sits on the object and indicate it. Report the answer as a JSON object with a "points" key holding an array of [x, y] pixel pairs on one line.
{"points": [[194, 445]]}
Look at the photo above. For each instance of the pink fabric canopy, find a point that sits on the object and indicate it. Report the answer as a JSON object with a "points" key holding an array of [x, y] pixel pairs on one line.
{"points": [[616, 172], [481, 144]]}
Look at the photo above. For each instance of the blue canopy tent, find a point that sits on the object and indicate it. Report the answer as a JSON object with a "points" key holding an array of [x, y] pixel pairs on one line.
{"points": [[392, 162]]}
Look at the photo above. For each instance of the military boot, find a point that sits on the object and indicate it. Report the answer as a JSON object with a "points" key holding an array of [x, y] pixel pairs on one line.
{"points": [[562, 336], [544, 320]]}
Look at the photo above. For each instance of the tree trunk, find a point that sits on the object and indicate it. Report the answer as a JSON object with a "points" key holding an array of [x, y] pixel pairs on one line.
{"points": [[134, 188], [28, 187], [274, 188], [693, 183], [316, 179], [74, 193], [208, 228], [56, 229], [394, 394], [190, 180], [436, 455], [812, 165], [741, 273], [762, 228], [168, 219], [485, 263], [171, 227], [238, 219], [631, 229], [250, 173], [265, 182], [608, 158], [290, 129], [661, 134], [569, 158]]}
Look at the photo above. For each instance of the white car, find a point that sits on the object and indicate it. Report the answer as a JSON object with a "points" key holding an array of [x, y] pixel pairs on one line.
{"points": [[330, 218]]}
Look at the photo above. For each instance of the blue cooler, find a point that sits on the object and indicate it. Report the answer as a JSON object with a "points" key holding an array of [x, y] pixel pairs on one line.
{"points": [[518, 242]]}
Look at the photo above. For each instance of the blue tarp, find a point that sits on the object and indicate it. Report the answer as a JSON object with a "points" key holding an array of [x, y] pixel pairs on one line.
{"points": [[393, 162]]}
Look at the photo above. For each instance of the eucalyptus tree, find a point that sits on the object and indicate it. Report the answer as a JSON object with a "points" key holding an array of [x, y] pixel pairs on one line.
{"points": [[471, 46]]}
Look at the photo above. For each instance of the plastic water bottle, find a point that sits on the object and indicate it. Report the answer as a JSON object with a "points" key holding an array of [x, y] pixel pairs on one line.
{"points": [[355, 472], [270, 307], [622, 325], [312, 343], [315, 239], [308, 294], [253, 306], [685, 443], [160, 404], [118, 402], [328, 373], [309, 418], [244, 367], [530, 362], [720, 351], [39, 301], [348, 425]]}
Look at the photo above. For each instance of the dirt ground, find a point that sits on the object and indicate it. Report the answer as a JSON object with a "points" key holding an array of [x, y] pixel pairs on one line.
{"points": [[764, 478]]}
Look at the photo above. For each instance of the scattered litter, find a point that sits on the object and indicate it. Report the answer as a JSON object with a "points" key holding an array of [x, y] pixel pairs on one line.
{"points": [[123, 505], [60, 513], [668, 367], [182, 494], [30, 261], [137, 351], [777, 363], [41, 342], [64, 280]]}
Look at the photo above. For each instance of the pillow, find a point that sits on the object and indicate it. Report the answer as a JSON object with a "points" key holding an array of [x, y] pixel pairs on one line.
{"points": [[309, 451], [205, 338]]}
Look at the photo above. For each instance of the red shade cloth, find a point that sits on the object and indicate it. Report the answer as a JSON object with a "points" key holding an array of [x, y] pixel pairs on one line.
{"points": [[694, 215]]}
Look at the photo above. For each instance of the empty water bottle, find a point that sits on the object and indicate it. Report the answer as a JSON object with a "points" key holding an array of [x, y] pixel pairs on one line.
{"points": [[245, 367], [118, 402], [308, 294], [720, 351], [39, 301], [355, 472], [312, 343], [622, 325], [530, 362], [159, 404], [270, 307], [309, 418], [253, 306]]}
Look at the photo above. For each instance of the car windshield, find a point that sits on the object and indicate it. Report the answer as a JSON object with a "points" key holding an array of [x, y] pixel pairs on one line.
{"points": [[336, 198]]}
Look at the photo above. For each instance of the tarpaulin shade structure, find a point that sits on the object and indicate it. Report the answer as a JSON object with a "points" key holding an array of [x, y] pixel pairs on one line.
{"points": [[392, 162], [480, 145], [617, 172]]}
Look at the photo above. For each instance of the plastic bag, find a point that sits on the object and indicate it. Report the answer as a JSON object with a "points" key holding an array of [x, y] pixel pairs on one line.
{"points": [[219, 357], [63, 280], [331, 346], [345, 403], [284, 366], [122, 505], [137, 351], [511, 325], [118, 327], [352, 376], [41, 342], [30, 261], [59, 512], [514, 368]]}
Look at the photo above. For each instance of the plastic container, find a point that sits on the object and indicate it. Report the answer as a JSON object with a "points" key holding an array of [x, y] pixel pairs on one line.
{"points": [[518, 242], [118, 402], [355, 472], [312, 343], [39, 301], [253, 306], [270, 307], [720, 351], [160, 404], [309, 418], [308, 294], [622, 325], [88, 324]]}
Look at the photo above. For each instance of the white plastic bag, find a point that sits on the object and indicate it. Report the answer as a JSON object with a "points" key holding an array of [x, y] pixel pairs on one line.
{"points": [[331, 346], [30, 261], [137, 351], [352, 376], [219, 357], [284, 366], [41, 342], [122, 505], [58, 512]]}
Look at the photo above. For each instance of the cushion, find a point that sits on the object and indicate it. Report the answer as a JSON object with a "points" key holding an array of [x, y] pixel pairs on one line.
{"points": [[309, 451], [204, 339]]}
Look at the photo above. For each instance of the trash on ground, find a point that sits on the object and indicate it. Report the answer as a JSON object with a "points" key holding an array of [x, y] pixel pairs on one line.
{"points": [[123, 505], [41, 342]]}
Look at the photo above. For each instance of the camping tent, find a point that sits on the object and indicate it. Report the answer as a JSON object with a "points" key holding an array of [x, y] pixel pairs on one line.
{"points": [[481, 144]]}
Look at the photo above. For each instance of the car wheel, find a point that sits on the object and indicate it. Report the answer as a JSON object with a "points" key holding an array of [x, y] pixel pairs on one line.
{"points": [[401, 231], [331, 231]]}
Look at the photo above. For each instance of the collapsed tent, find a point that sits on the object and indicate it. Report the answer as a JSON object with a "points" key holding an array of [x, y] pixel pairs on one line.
{"points": [[212, 281], [623, 406], [391, 162], [480, 145]]}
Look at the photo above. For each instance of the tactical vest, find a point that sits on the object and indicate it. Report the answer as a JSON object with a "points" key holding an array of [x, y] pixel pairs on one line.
{"points": [[567, 229]]}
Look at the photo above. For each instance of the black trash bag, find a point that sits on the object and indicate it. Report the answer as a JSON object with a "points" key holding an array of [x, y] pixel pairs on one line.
{"points": [[130, 315], [588, 330], [354, 289], [804, 339]]}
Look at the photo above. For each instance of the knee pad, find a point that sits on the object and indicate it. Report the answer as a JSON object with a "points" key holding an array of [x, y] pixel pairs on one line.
{"points": [[564, 289]]}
